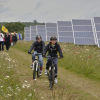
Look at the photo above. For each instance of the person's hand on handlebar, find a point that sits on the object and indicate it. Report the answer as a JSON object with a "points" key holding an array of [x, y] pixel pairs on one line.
{"points": [[43, 55], [61, 57], [29, 52]]}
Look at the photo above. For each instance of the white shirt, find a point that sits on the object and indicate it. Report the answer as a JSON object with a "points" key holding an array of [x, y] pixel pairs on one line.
{"points": [[1, 37]]}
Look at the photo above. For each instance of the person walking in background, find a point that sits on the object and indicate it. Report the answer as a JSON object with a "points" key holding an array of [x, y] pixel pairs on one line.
{"points": [[7, 41], [1, 41], [14, 38]]}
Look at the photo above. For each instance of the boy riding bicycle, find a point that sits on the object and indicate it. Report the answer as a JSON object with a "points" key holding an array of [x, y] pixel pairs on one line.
{"points": [[52, 48], [38, 47]]}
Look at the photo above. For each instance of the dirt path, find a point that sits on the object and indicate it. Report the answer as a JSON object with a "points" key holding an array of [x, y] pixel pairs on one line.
{"points": [[70, 86]]}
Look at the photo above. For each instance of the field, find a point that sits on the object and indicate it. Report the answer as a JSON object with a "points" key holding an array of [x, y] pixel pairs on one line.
{"points": [[78, 76]]}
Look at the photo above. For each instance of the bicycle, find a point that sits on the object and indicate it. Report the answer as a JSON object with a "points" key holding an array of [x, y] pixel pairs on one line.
{"points": [[51, 73], [36, 66]]}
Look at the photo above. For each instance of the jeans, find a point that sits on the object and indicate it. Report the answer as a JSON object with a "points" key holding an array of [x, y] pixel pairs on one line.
{"points": [[2, 44], [40, 58], [48, 64]]}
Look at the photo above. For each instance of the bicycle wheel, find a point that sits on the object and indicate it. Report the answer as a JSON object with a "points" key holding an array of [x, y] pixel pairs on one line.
{"points": [[34, 71], [38, 71], [51, 78]]}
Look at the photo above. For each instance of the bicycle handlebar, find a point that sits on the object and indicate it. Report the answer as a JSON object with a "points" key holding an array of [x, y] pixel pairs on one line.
{"points": [[53, 57]]}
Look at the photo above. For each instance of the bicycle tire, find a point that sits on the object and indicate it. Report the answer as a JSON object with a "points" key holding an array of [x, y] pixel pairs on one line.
{"points": [[51, 78], [34, 71], [38, 71]]}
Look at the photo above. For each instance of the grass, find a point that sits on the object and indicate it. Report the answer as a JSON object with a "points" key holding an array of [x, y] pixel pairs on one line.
{"points": [[16, 76], [10, 87], [84, 60]]}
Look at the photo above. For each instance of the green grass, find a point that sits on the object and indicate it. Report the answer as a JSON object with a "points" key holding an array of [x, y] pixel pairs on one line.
{"points": [[84, 60], [10, 87]]}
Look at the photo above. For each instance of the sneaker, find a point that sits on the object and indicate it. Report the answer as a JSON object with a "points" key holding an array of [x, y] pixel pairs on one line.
{"points": [[31, 65], [40, 72], [56, 81], [46, 72]]}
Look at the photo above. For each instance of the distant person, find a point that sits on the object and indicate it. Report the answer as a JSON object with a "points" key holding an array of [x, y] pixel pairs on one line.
{"points": [[14, 38], [39, 47], [7, 41], [1, 41]]}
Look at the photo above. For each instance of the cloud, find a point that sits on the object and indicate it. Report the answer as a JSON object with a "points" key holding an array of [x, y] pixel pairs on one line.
{"points": [[48, 10], [38, 5], [4, 9]]}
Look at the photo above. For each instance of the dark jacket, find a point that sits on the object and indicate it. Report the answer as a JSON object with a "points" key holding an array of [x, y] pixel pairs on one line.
{"points": [[52, 51], [14, 38], [38, 46], [7, 39]]}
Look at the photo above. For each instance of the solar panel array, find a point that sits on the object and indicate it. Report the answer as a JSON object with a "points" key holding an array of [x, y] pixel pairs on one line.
{"points": [[41, 31], [33, 33], [80, 32], [27, 33], [83, 32], [65, 31], [51, 30], [97, 29]]}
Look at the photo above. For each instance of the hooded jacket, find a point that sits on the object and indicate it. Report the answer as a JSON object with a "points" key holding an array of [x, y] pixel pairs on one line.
{"points": [[38, 46], [52, 50]]}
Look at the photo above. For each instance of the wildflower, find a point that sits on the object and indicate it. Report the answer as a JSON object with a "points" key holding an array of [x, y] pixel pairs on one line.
{"points": [[42, 97], [25, 81], [90, 56], [7, 76], [30, 94], [34, 90], [9, 95], [1, 86]]}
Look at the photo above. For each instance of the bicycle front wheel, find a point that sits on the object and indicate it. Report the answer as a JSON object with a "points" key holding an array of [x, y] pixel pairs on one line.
{"points": [[34, 71], [51, 78]]}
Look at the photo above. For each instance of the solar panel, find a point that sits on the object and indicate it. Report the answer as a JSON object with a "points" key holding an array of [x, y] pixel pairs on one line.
{"points": [[98, 35], [27, 33], [26, 28], [84, 41], [33, 38], [64, 23], [83, 28], [69, 34], [51, 34], [83, 34], [64, 29], [66, 39], [77, 22], [97, 27], [33, 27], [33, 31], [51, 29], [40, 26], [42, 35], [41, 31], [27, 39], [51, 25], [97, 20]]}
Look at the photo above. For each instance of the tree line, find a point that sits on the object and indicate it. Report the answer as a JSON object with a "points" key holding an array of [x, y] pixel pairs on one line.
{"points": [[18, 27]]}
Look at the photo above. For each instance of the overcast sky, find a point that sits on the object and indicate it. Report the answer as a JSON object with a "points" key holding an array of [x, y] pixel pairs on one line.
{"points": [[48, 10]]}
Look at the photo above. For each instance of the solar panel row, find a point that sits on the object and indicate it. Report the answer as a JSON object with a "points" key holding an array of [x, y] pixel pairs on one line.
{"points": [[81, 32]]}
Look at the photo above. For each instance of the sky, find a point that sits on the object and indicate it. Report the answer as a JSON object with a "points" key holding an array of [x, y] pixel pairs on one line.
{"points": [[48, 10]]}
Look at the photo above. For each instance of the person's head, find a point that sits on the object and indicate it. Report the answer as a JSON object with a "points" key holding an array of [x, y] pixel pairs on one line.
{"points": [[38, 38], [7, 33], [53, 40]]}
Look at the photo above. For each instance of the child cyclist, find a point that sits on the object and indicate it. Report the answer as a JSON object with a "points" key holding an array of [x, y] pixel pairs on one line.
{"points": [[52, 48], [38, 47]]}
